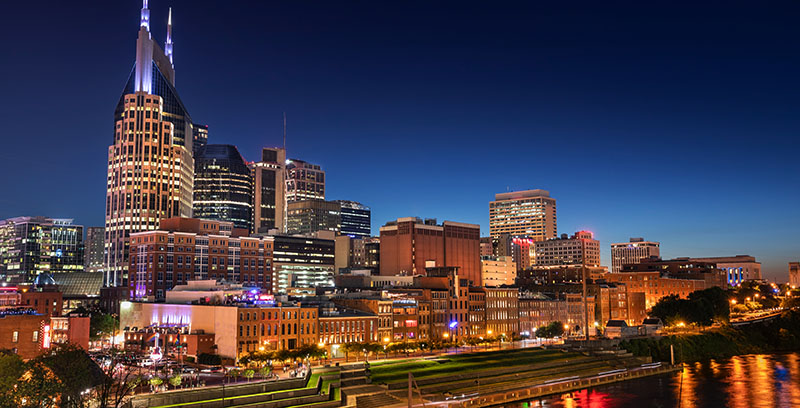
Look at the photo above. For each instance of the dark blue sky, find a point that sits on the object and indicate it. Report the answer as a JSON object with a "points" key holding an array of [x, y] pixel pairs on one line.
{"points": [[672, 121]]}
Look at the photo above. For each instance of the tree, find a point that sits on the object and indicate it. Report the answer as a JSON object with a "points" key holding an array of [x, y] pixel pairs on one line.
{"points": [[209, 359], [75, 370], [119, 382], [553, 329], [175, 380], [11, 369], [38, 387], [265, 371], [102, 325], [249, 373], [155, 382]]}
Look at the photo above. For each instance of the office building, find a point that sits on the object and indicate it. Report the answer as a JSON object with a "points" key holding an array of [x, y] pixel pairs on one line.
{"points": [[223, 186], [185, 249], [738, 268], [150, 164], [410, 245], [632, 252], [578, 249], [199, 139], [498, 271], [310, 216], [94, 248], [304, 181], [356, 219], [269, 193], [530, 213], [302, 264], [32, 246]]}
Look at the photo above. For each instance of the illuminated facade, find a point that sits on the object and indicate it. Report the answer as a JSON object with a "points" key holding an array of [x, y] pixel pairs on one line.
{"points": [[304, 181], [498, 271], [301, 264], [269, 194], [356, 219], [150, 164], [530, 213], [738, 268], [30, 246], [794, 274], [579, 249], [223, 186], [310, 216], [185, 249], [632, 252]]}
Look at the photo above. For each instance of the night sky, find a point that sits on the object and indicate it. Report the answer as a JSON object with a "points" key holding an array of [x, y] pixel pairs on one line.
{"points": [[672, 121]]}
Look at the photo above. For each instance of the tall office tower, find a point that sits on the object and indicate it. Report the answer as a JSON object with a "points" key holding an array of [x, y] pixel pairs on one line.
{"points": [[410, 245], [199, 138], [356, 219], [632, 252], [304, 181], [269, 192], [530, 214], [94, 244], [794, 274], [30, 246], [150, 165], [574, 250], [310, 216], [223, 186]]}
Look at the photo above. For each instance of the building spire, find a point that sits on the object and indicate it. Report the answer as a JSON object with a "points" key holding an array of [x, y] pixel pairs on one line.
{"points": [[168, 44], [145, 20]]}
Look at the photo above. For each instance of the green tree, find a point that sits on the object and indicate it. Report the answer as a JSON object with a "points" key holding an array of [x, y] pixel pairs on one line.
{"points": [[39, 387], [175, 380], [102, 325], [75, 370], [249, 373], [11, 369], [265, 371]]}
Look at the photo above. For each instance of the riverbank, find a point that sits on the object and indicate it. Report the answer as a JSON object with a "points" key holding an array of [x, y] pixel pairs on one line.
{"points": [[778, 335]]}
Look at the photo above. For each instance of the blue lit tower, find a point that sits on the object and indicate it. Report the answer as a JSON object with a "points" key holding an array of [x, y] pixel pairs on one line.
{"points": [[150, 163]]}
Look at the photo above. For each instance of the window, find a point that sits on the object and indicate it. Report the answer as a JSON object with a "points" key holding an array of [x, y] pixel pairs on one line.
{"points": [[14, 336], [35, 336]]}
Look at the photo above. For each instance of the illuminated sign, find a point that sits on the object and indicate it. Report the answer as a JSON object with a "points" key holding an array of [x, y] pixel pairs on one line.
{"points": [[46, 336]]}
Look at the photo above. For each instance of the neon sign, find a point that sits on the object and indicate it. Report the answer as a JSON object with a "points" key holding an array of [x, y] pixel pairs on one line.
{"points": [[46, 335]]}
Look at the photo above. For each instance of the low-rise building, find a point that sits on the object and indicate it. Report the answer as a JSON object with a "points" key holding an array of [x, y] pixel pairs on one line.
{"points": [[498, 271]]}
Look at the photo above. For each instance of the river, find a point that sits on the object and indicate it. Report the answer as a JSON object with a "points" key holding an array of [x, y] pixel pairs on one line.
{"points": [[750, 381]]}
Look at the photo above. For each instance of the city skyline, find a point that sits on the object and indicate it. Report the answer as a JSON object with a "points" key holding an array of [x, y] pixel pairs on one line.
{"points": [[688, 206]]}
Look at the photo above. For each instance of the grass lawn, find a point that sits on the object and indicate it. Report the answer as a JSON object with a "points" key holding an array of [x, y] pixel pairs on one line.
{"points": [[447, 365]]}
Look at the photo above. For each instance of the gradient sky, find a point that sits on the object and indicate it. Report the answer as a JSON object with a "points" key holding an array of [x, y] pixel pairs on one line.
{"points": [[672, 121]]}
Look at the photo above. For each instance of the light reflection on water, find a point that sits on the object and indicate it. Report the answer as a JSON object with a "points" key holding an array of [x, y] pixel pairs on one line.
{"points": [[751, 381]]}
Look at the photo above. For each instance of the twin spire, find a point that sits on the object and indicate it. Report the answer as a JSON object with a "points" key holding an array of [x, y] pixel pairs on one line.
{"points": [[145, 22]]}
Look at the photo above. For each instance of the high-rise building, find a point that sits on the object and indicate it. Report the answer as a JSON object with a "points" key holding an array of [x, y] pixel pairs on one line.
{"points": [[310, 216], [150, 164], [530, 214], [632, 252], [223, 186], [356, 219], [94, 248], [269, 193], [31, 246], [579, 249], [304, 181], [199, 138], [410, 245], [794, 274]]}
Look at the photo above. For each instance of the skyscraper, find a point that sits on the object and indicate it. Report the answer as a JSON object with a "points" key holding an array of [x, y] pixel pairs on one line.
{"points": [[356, 219], [150, 164], [310, 216], [31, 246], [269, 193], [304, 181], [223, 186], [93, 254], [530, 214], [632, 252]]}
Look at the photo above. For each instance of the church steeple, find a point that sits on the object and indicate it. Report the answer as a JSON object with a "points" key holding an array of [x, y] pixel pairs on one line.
{"points": [[145, 19], [168, 43]]}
